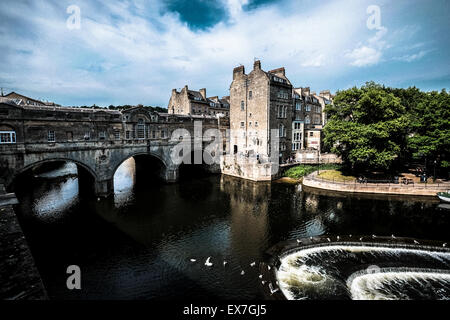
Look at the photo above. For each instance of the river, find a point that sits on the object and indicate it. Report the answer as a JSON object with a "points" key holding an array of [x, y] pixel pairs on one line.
{"points": [[142, 243]]}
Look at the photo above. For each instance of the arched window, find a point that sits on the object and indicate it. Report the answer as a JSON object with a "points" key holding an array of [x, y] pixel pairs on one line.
{"points": [[7, 135], [141, 129], [307, 120]]}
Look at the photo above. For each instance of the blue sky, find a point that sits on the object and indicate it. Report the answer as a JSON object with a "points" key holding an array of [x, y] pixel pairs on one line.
{"points": [[136, 51]]}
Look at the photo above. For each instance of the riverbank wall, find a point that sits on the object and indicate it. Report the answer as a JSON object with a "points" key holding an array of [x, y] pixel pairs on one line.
{"points": [[19, 277], [313, 181]]}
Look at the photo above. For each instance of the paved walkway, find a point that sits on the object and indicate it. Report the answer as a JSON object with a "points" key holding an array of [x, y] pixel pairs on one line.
{"points": [[422, 189]]}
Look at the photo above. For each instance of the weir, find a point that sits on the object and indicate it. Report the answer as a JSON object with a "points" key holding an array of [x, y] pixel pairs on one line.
{"points": [[325, 268]]}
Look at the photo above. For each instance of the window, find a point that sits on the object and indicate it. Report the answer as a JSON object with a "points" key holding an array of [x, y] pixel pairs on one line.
{"points": [[51, 136], [298, 105], [141, 129], [297, 136], [117, 134], [7, 137], [69, 136], [250, 124], [281, 130], [127, 134], [87, 136], [242, 106], [250, 95], [163, 134], [311, 134], [308, 108], [154, 134], [102, 135], [242, 124], [297, 125], [256, 123], [307, 120]]}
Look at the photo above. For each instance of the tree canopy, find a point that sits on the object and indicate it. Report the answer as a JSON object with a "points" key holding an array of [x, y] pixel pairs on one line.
{"points": [[374, 127]]}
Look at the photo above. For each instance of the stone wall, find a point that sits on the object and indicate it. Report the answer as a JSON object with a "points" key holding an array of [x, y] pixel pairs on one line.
{"points": [[375, 188], [19, 277]]}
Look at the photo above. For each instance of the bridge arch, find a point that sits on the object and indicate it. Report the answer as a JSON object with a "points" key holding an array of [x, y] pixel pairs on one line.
{"points": [[86, 170], [136, 154]]}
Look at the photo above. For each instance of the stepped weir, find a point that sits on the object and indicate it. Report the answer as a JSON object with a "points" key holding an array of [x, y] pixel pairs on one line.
{"points": [[357, 267]]}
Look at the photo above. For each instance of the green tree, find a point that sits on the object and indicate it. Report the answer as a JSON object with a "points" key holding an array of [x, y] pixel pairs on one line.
{"points": [[367, 127], [429, 138]]}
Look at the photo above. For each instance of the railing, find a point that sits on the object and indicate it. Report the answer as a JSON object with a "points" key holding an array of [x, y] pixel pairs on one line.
{"points": [[379, 183]]}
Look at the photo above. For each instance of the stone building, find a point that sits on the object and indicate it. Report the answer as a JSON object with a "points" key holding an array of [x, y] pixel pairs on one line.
{"points": [[191, 102], [263, 102], [260, 101]]}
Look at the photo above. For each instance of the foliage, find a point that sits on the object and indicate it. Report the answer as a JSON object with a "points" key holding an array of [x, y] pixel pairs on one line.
{"points": [[303, 170], [374, 127]]}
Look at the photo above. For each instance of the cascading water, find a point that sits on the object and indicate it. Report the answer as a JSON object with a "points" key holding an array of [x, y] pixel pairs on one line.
{"points": [[352, 270]]}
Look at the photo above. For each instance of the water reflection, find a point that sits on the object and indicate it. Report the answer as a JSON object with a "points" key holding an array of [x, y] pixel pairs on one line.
{"points": [[54, 203], [124, 180], [139, 243]]}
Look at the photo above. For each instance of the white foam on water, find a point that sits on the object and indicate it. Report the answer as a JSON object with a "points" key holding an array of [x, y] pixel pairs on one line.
{"points": [[379, 286], [293, 273]]}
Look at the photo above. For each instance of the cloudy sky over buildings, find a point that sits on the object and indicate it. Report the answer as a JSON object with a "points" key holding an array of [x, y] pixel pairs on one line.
{"points": [[136, 51]]}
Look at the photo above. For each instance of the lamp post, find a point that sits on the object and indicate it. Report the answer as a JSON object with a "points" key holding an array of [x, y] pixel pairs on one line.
{"points": [[434, 175]]}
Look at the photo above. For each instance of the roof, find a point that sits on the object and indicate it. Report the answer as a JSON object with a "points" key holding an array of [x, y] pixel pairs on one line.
{"points": [[28, 98]]}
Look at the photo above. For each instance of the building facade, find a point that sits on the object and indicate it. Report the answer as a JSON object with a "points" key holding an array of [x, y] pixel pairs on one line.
{"points": [[191, 102], [263, 103]]}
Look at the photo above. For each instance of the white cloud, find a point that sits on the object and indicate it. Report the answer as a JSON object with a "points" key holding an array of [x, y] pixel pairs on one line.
{"points": [[364, 56], [129, 53], [315, 61], [370, 54], [412, 57]]}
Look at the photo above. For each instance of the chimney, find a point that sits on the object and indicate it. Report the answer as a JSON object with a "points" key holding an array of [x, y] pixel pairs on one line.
{"points": [[257, 65], [174, 91], [279, 71], [186, 87], [238, 71], [326, 94], [306, 89], [203, 93]]}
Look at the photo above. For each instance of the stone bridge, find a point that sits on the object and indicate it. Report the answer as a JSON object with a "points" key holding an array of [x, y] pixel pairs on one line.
{"points": [[97, 140]]}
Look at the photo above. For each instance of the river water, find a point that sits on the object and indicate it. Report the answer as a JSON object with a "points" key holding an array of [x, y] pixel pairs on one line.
{"points": [[139, 244]]}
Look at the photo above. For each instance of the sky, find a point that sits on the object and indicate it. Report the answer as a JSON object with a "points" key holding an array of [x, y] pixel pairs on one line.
{"points": [[136, 51]]}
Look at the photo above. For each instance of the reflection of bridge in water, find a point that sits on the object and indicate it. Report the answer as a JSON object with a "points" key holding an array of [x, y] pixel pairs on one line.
{"points": [[96, 140]]}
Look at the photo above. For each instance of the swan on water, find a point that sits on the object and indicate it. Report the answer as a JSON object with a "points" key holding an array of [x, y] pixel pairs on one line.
{"points": [[444, 245], [208, 263], [393, 237], [224, 263], [298, 241], [328, 239], [193, 260], [242, 272], [337, 238], [252, 264], [374, 236], [260, 276], [416, 242]]}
